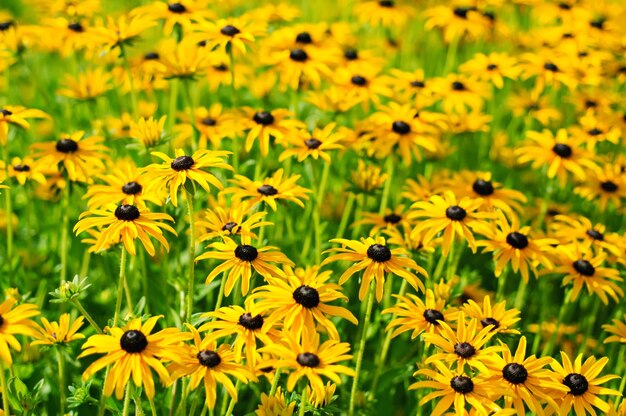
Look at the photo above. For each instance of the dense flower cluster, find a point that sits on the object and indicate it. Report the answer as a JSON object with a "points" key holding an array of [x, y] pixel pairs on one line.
{"points": [[342, 174]]}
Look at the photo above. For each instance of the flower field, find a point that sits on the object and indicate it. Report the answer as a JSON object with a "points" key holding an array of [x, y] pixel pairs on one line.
{"points": [[348, 207]]}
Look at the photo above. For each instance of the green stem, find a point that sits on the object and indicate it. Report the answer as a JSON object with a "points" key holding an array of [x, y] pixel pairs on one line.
{"points": [[521, 293], [126, 407], [231, 406], [346, 215], [138, 409], [152, 407], [133, 93], [87, 316], [61, 362], [385, 348], [171, 112], [192, 114], [84, 268], [359, 358], [303, 401], [9, 210], [5, 390], [64, 234], [233, 88], [220, 294], [502, 283], [385, 198], [192, 256], [275, 382], [103, 398], [547, 350], [120, 287]]}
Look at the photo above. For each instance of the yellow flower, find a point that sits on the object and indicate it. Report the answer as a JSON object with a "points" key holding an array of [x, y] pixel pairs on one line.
{"points": [[269, 190], [618, 329], [314, 144], [15, 321], [175, 172], [150, 132], [235, 33], [23, 170], [17, 115], [132, 351], [87, 85], [124, 224], [384, 13], [205, 362], [496, 315], [59, 332], [307, 358], [276, 405], [376, 259], [119, 32], [368, 178]]}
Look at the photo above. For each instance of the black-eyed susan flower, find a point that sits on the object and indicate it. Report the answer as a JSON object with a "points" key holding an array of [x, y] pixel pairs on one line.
{"points": [[560, 153], [299, 66], [583, 384], [392, 218], [525, 377], [275, 405], [119, 32], [315, 144], [214, 124], [205, 362], [269, 190], [15, 321], [123, 224], [240, 260], [368, 178], [618, 329], [604, 186], [307, 358], [81, 157], [363, 85], [460, 93], [493, 194], [246, 324], [584, 269], [493, 68], [177, 12], [502, 319], [457, 21], [444, 213], [23, 169], [17, 115], [512, 244], [60, 332], [454, 388], [301, 300], [384, 13], [414, 314], [149, 131], [174, 172], [569, 229], [238, 219], [465, 346], [534, 106], [132, 351], [123, 186], [263, 125], [376, 260], [87, 85], [234, 33]]}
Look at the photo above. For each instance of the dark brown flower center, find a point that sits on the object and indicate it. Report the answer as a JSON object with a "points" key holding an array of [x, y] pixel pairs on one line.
{"points": [[400, 127], [298, 55], [517, 240], [596, 235], [609, 186], [490, 321], [491, 67], [595, 132], [151, 56], [126, 212], [6, 112], [229, 226], [358, 80], [433, 315], [514, 373], [229, 30], [208, 121], [549, 66], [176, 8], [482, 187], [379, 253], [308, 359], [133, 341], [577, 383], [562, 150], [306, 296], [351, 54], [263, 117], [66, 146], [464, 350], [312, 143], [458, 86], [210, 359], [182, 163], [304, 38], [456, 213], [246, 252], [392, 218], [251, 322], [462, 384], [21, 168], [131, 188], [267, 190], [6, 25], [584, 267], [76, 27], [386, 3]]}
